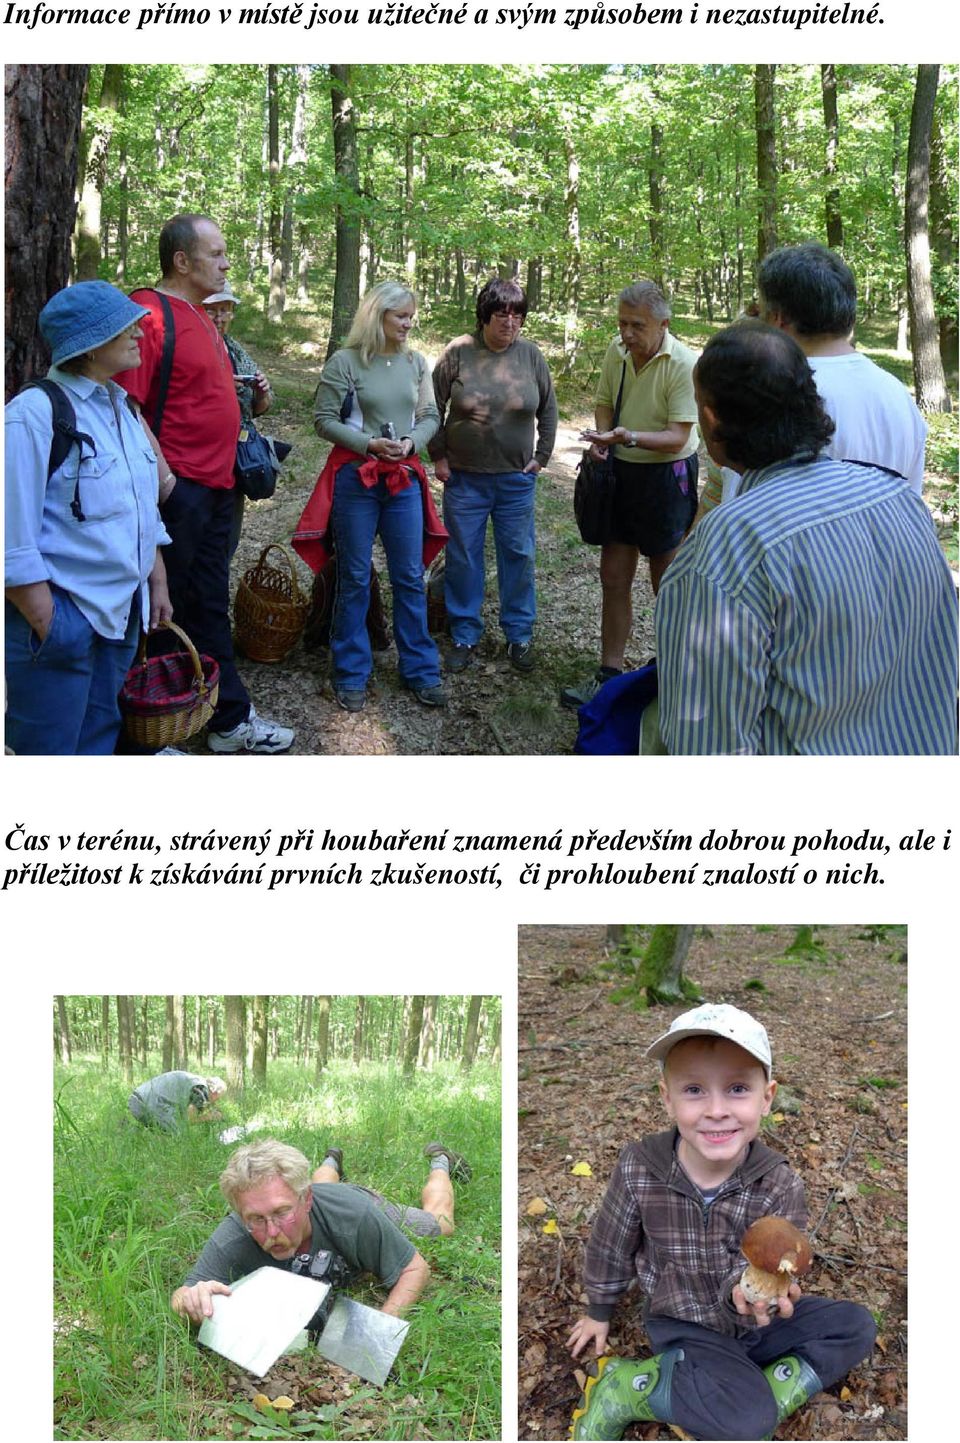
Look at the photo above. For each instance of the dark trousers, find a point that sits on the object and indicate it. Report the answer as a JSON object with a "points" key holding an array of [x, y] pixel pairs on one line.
{"points": [[199, 521], [719, 1391]]}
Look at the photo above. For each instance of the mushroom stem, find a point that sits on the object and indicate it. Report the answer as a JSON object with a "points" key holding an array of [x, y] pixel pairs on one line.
{"points": [[759, 1286]]}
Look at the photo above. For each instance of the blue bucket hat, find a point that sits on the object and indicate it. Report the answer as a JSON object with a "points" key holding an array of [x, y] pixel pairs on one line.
{"points": [[79, 318]]}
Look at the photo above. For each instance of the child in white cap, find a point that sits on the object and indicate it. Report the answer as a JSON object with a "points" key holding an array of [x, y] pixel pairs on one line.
{"points": [[672, 1219]]}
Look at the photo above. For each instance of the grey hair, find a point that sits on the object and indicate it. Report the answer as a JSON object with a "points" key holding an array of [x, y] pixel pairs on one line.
{"points": [[215, 1084], [366, 328], [259, 1161], [649, 296]]}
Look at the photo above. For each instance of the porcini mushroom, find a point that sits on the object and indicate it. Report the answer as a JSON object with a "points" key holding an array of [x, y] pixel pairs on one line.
{"points": [[776, 1253]]}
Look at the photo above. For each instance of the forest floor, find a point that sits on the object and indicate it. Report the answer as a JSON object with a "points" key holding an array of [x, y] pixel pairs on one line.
{"points": [[492, 709], [841, 1119]]}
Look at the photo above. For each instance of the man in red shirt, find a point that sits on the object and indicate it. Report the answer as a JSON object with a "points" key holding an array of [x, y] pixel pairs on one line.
{"points": [[197, 422]]}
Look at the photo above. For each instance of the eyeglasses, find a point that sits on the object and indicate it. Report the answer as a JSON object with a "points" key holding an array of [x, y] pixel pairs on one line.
{"points": [[278, 1220], [507, 313]]}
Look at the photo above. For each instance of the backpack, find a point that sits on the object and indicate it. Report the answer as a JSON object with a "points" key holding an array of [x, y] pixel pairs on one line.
{"points": [[610, 721]]}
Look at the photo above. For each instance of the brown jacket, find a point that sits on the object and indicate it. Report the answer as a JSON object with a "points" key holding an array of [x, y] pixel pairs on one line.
{"points": [[653, 1228]]}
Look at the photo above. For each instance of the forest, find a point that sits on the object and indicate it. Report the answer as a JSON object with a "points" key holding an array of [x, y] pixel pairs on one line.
{"points": [[378, 1077], [575, 180]]}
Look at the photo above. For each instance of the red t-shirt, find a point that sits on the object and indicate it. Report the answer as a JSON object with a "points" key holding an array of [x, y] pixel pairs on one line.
{"points": [[201, 417]]}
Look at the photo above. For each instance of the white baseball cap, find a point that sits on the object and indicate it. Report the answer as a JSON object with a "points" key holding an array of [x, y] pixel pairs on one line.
{"points": [[717, 1019]]}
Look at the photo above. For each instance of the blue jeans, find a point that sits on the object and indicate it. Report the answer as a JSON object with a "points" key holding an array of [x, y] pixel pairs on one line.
{"points": [[62, 691], [469, 498], [359, 512]]}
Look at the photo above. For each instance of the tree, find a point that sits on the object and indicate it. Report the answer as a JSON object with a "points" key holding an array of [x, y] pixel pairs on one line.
{"points": [[766, 122], [235, 1020], [928, 379], [104, 1031], [261, 1010], [358, 1032], [63, 1031], [167, 1054], [831, 122], [658, 968], [180, 1052], [278, 289], [43, 106], [125, 1036], [472, 1033], [346, 285], [98, 128], [411, 1049], [323, 1033]]}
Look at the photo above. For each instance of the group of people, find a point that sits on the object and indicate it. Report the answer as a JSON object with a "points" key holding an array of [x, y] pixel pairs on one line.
{"points": [[803, 603]]}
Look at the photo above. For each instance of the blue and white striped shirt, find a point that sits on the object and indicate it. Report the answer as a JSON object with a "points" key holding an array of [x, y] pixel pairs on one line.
{"points": [[813, 613]]}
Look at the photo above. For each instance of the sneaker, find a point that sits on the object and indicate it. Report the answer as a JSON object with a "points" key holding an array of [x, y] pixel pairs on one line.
{"points": [[459, 1167], [429, 695], [170, 752], [574, 696], [459, 657], [521, 655], [351, 700], [256, 734]]}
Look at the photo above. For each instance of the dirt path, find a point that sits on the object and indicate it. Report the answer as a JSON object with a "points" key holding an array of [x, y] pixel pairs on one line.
{"points": [[492, 708], [838, 1029]]}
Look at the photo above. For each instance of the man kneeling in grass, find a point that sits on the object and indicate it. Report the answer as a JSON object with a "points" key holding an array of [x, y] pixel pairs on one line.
{"points": [[281, 1210]]}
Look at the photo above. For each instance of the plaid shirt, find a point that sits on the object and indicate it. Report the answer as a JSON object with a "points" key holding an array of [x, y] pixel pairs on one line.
{"points": [[654, 1228]]}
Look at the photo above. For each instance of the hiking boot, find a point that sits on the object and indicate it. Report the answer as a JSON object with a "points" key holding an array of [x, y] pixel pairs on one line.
{"points": [[459, 657], [350, 700], [460, 1169], [574, 696], [522, 655], [623, 1391], [256, 734], [428, 695], [337, 1154]]}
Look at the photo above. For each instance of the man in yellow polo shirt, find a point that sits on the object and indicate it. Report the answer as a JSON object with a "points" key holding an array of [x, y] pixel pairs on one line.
{"points": [[654, 462]]}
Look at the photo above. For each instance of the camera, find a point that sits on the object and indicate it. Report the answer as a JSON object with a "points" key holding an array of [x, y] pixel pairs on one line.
{"points": [[324, 1266], [388, 431]]}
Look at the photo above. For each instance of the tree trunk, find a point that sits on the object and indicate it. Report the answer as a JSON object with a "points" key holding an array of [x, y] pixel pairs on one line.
{"points": [[831, 122], [105, 1031], [211, 1032], [125, 1035], [307, 1041], [179, 1032], [473, 1030], [659, 967], [236, 1025], [278, 291], [928, 378], [414, 1024], [943, 239], [766, 122], [166, 1064], [63, 1028], [358, 1033], [323, 1033], [261, 1009], [655, 191], [571, 279], [346, 285], [143, 1031], [96, 149], [43, 106]]}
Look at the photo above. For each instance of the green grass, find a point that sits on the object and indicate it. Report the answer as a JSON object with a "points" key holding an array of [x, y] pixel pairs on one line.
{"points": [[133, 1208]]}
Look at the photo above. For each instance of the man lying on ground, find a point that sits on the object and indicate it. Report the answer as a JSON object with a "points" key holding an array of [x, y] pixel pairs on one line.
{"points": [[281, 1211]]}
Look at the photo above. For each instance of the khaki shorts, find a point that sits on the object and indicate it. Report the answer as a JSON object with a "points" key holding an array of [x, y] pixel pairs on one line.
{"points": [[415, 1220]]}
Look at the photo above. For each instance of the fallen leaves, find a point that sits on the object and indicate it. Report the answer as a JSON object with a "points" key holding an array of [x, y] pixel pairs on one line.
{"points": [[582, 1169], [536, 1208]]}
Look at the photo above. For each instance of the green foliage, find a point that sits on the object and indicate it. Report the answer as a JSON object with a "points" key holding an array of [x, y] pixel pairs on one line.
{"points": [[133, 1207]]}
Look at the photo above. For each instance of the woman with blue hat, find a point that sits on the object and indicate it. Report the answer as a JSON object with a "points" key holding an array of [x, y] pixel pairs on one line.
{"points": [[83, 572]]}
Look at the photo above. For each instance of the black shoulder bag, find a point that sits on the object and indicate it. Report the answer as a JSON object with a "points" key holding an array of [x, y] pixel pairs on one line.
{"points": [[594, 488]]}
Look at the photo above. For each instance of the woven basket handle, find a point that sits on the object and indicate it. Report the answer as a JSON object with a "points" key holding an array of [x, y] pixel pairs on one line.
{"points": [[194, 655], [275, 546]]}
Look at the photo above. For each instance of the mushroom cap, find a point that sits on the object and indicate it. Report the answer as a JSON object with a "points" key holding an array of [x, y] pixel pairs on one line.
{"points": [[775, 1245]]}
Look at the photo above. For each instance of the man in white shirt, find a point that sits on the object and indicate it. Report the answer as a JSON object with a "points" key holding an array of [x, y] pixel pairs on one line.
{"points": [[809, 292]]}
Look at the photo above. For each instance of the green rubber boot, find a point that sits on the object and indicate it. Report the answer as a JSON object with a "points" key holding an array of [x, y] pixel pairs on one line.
{"points": [[792, 1382], [623, 1391]]}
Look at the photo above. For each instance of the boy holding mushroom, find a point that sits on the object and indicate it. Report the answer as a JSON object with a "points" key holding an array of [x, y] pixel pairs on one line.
{"points": [[673, 1219]]}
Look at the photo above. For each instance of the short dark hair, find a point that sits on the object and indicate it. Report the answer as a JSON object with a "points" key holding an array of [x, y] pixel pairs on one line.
{"points": [[812, 286], [496, 295], [178, 234], [757, 381]]}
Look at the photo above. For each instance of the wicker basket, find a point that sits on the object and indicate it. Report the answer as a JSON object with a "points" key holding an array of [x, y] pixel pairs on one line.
{"points": [[270, 610], [167, 699]]}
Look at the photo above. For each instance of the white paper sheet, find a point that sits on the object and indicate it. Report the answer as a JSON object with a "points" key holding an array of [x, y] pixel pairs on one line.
{"points": [[263, 1314]]}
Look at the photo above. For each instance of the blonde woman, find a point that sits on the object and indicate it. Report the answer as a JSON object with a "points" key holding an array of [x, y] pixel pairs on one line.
{"points": [[375, 402]]}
